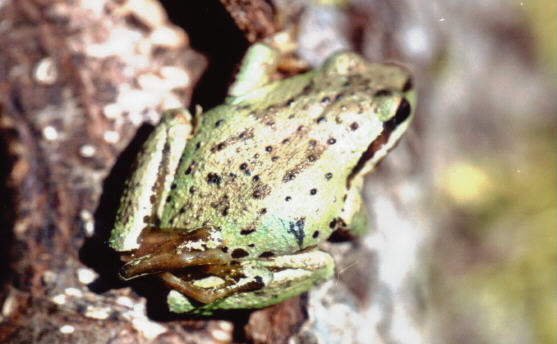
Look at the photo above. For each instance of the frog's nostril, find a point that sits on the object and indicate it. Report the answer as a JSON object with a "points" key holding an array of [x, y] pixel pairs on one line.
{"points": [[402, 113]]}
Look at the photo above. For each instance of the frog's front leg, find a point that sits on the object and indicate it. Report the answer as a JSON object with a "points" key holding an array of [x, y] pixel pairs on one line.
{"points": [[261, 63], [147, 187]]}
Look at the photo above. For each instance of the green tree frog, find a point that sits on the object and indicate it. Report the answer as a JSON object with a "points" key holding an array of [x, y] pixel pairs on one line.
{"points": [[229, 207]]}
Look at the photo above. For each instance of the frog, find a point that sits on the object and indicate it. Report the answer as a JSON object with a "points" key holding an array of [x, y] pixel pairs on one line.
{"points": [[229, 207]]}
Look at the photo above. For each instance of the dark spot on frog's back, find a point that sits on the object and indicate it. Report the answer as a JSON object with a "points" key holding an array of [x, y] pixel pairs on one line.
{"points": [[239, 253], [189, 170], [261, 191], [266, 254], [218, 147], [297, 229], [288, 176], [245, 169], [247, 231], [213, 178]]}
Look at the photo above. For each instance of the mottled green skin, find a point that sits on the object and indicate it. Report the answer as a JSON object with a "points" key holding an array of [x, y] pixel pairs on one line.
{"points": [[276, 162], [267, 175]]}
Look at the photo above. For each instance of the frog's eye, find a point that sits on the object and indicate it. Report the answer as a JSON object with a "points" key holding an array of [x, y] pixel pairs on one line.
{"points": [[402, 113]]}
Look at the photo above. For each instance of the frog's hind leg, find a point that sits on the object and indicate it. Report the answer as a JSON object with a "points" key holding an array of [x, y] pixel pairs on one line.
{"points": [[282, 277], [148, 186], [207, 284]]}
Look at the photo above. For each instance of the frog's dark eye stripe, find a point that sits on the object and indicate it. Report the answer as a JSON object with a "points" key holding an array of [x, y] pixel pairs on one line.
{"points": [[408, 85], [402, 112]]}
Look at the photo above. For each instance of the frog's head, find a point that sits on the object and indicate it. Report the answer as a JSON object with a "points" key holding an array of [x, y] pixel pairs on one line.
{"points": [[384, 95], [394, 101]]}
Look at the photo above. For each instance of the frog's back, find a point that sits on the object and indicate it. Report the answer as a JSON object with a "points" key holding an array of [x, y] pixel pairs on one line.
{"points": [[272, 168]]}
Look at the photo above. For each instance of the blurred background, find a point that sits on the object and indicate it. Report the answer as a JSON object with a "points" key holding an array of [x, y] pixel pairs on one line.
{"points": [[492, 274]]}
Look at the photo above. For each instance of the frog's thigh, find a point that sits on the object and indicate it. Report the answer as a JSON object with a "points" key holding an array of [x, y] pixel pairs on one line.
{"points": [[156, 163]]}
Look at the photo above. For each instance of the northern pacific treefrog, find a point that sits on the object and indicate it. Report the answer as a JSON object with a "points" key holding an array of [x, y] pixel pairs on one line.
{"points": [[229, 207]]}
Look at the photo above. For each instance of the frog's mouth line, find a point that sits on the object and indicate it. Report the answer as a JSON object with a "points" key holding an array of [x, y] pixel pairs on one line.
{"points": [[403, 112]]}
